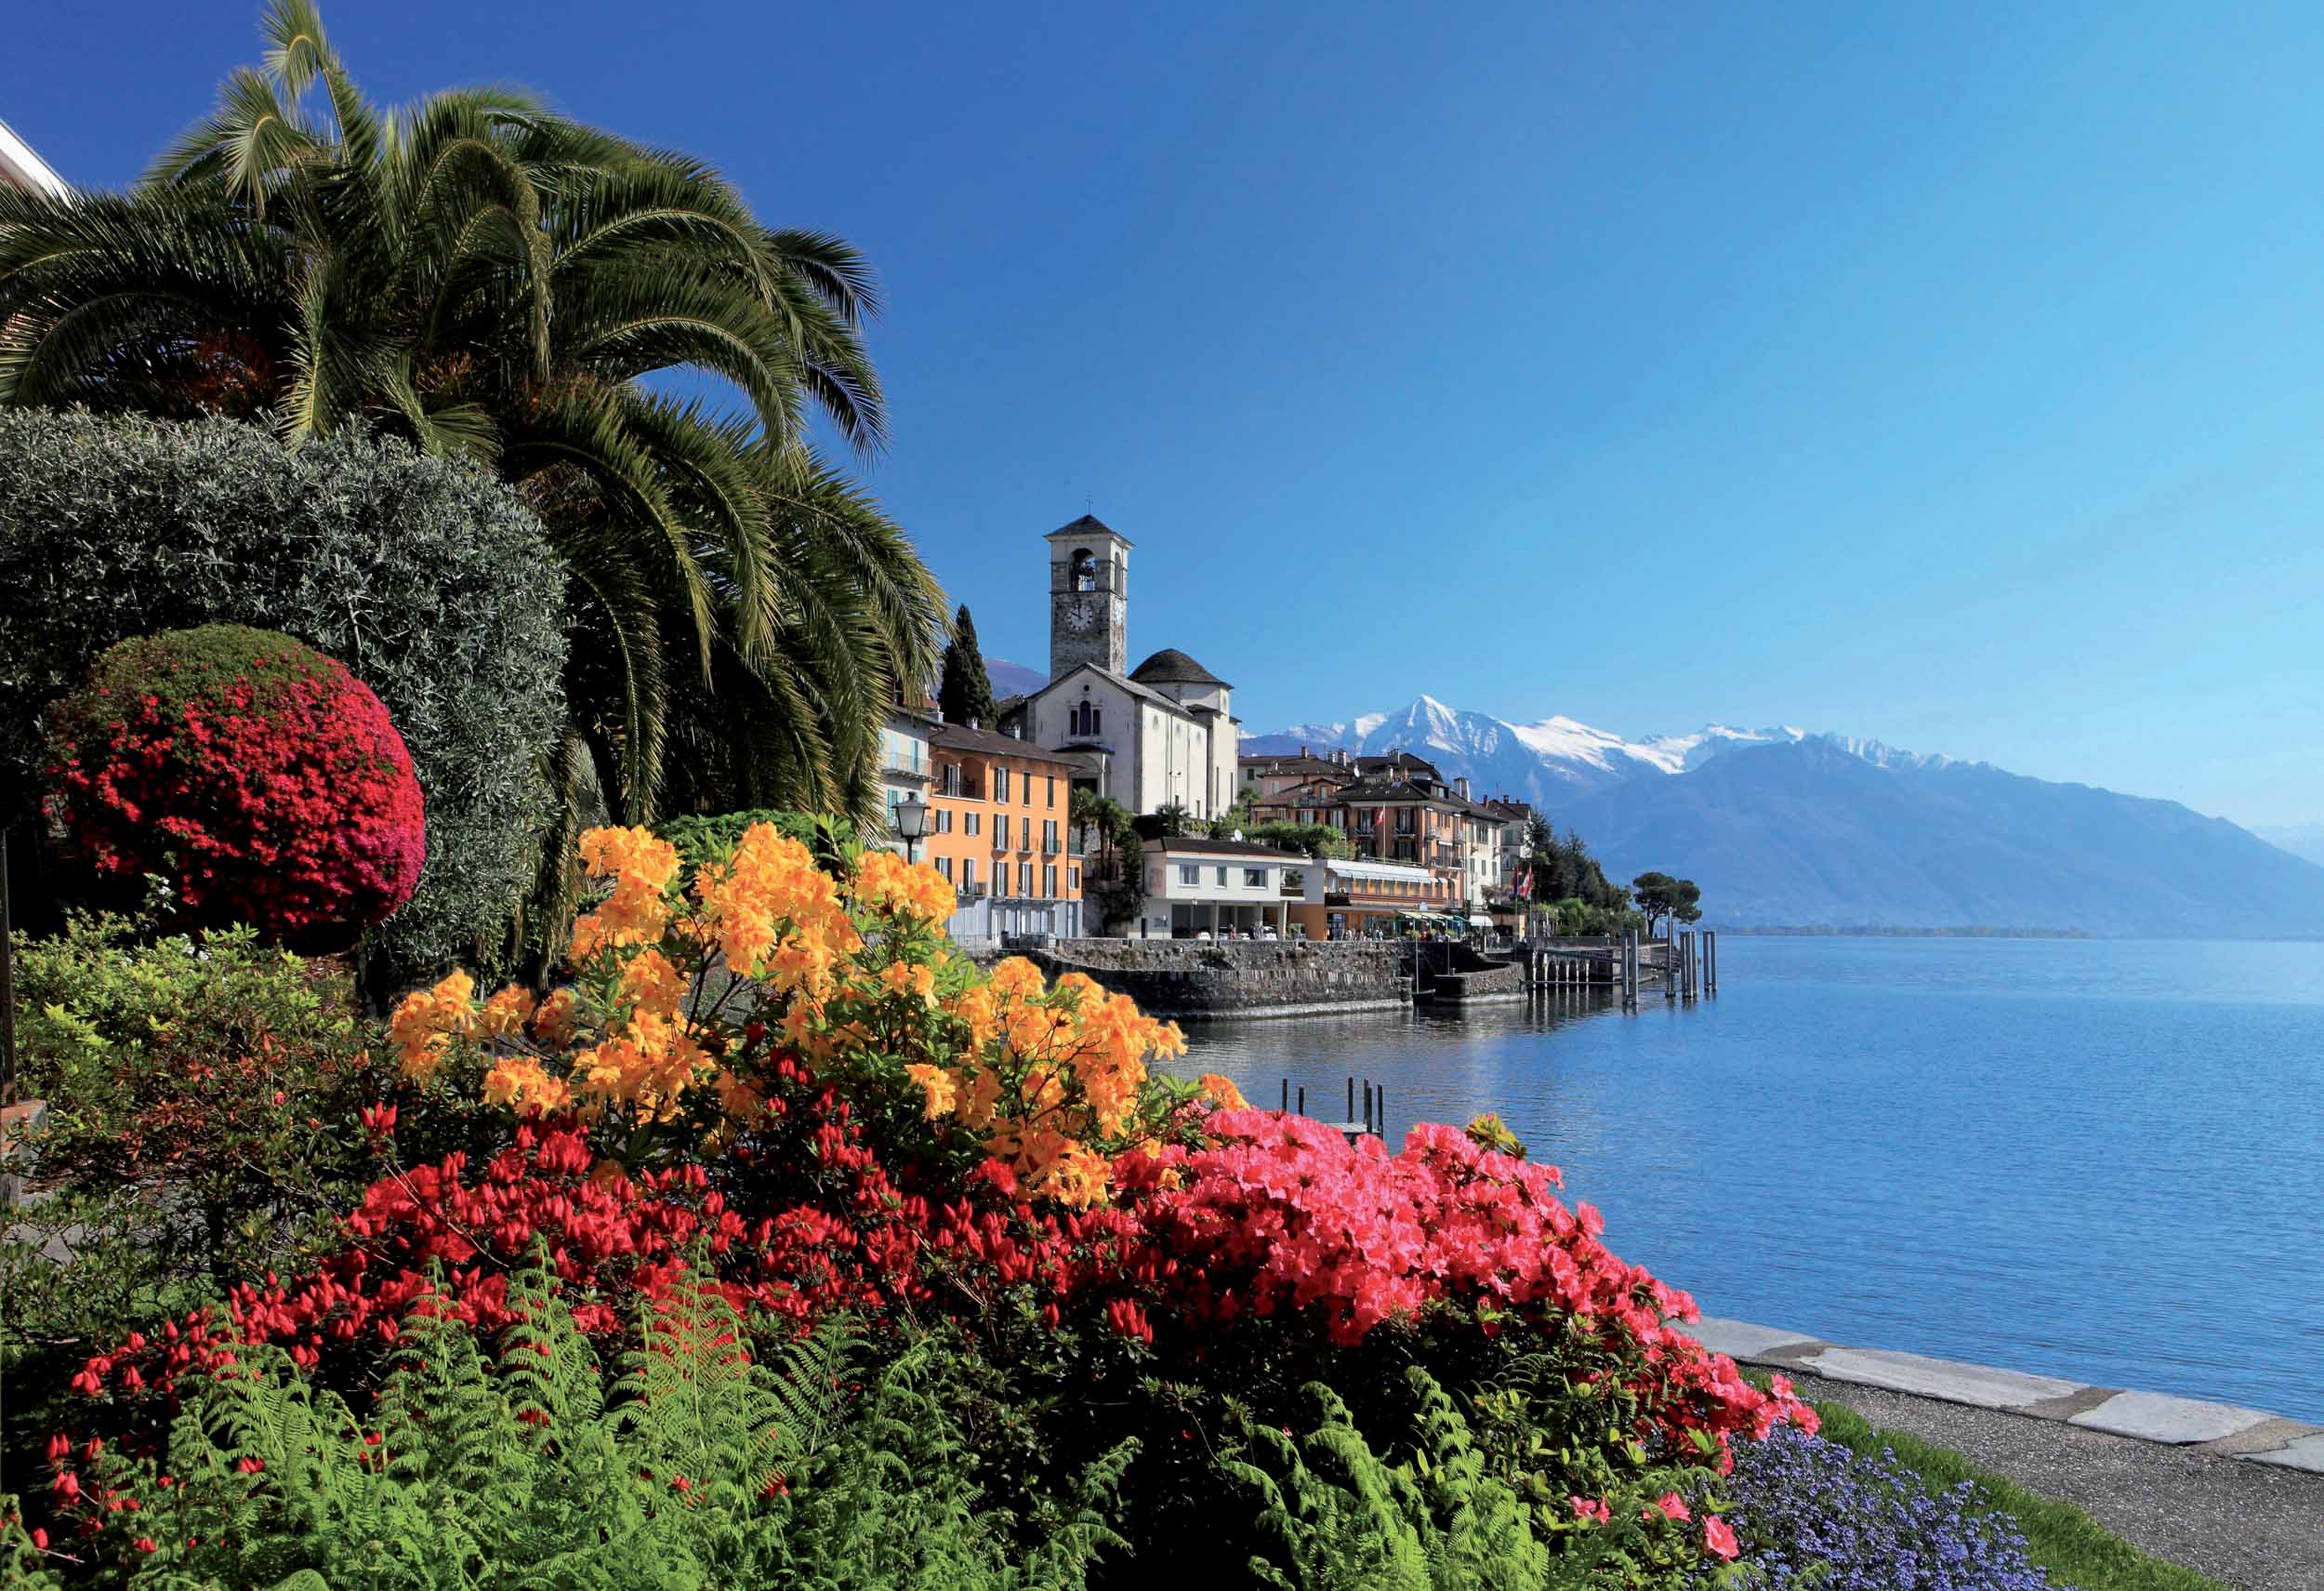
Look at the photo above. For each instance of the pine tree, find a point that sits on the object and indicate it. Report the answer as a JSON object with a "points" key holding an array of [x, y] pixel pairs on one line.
{"points": [[965, 691]]}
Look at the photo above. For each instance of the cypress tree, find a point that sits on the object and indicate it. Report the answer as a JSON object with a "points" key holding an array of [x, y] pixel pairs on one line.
{"points": [[965, 691]]}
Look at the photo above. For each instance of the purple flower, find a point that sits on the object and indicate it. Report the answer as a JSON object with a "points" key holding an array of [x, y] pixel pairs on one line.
{"points": [[1812, 1513]]}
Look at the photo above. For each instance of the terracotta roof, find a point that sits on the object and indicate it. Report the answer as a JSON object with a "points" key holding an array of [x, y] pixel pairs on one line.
{"points": [[1385, 789], [1171, 666], [1403, 761], [990, 743]]}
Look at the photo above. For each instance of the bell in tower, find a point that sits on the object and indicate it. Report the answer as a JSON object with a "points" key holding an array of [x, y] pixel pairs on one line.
{"points": [[1088, 601]]}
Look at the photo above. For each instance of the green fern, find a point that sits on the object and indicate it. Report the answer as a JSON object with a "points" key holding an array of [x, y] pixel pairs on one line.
{"points": [[519, 1462], [1337, 1514]]}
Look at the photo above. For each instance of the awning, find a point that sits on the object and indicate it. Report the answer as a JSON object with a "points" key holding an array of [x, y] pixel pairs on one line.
{"points": [[1400, 872]]}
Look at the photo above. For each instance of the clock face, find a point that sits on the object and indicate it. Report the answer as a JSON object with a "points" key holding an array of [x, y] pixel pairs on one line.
{"points": [[1081, 616]]}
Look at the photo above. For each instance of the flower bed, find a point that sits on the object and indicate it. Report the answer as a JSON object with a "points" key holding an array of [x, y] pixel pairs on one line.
{"points": [[781, 1084]]}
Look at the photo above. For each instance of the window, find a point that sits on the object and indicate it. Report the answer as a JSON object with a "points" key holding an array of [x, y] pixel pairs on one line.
{"points": [[950, 783], [1085, 720], [943, 866], [1024, 878], [972, 822], [968, 872], [1049, 879], [1052, 791], [1294, 883], [1254, 878], [1075, 874], [1085, 570], [1028, 791], [1049, 836], [1001, 831], [1188, 873], [1222, 878]]}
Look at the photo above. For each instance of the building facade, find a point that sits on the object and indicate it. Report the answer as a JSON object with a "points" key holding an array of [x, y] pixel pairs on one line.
{"points": [[1197, 887], [998, 830], [1162, 734], [907, 765], [1395, 809]]}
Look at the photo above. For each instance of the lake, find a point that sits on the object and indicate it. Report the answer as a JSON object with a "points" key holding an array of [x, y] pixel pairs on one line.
{"points": [[2099, 1159]]}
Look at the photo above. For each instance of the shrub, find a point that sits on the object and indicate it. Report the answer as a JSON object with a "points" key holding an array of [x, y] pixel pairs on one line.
{"points": [[229, 1071], [783, 1079], [518, 1457], [431, 582], [260, 778], [1812, 1513], [707, 837], [201, 1126]]}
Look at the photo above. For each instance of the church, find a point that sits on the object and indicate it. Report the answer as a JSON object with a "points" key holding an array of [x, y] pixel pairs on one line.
{"points": [[1161, 733]]}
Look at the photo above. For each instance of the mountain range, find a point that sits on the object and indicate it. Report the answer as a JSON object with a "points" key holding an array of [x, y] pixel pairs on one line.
{"points": [[1784, 828]]}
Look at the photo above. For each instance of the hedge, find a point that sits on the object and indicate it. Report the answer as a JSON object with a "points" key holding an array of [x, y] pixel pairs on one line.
{"points": [[428, 579]]}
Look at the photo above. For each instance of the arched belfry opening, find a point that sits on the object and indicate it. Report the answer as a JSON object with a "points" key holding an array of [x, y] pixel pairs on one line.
{"points": [[1089, 597]]}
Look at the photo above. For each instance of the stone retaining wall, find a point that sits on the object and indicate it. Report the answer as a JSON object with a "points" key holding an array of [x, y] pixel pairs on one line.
{"points": [[1192, 980], [1505, 981]]}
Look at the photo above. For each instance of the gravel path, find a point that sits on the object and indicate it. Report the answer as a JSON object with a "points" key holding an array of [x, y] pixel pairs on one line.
{"points": [[2252, 1526]]}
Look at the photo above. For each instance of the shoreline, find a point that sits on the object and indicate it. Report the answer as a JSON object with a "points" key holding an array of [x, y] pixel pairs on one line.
{"points": [[2226, 1430]]}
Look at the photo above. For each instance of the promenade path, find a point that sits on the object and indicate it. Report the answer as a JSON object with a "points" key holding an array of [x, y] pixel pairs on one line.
{"points": [[2231, 1492], [2253, 1526]]}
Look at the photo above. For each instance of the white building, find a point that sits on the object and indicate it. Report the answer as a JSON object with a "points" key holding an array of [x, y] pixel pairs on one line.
{"points": [[1162, 734], [1197, 886], [904, 766], [20, 167]]}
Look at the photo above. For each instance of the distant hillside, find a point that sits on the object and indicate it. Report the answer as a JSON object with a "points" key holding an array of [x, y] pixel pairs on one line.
{"points": [[2302, 840], [1813, 833], [1012, 679]]}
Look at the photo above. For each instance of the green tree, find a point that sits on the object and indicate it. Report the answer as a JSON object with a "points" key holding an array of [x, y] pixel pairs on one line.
{"points": [[1660, 896], [486, 277], [1313, 839], [1173, 817], [964, 692]]}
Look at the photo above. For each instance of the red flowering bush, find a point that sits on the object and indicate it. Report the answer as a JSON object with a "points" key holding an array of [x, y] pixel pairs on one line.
{"points": [[1282, 1216], [258, 776], [799, 1219]]}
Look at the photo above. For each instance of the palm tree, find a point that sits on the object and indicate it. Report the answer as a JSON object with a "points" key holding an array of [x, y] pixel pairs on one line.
{"points": [[490, 279]]}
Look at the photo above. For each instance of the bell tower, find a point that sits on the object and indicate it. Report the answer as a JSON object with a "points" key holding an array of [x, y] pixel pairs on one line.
{"points": [[1089, 597]]}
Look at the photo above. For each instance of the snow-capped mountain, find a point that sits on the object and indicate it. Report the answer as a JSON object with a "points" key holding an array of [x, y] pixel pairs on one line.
{"points": [[1547, 763], [1782, 827]]}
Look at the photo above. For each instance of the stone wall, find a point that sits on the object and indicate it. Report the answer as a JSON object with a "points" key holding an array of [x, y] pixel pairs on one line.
{"points": [[1500, 982], [1193, 980]]}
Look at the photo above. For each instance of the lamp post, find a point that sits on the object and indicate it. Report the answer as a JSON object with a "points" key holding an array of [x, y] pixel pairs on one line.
{"points": [[911, 825]]}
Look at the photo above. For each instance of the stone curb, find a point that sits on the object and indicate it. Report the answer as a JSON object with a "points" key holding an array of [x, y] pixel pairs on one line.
{"points": [[2222, 1428]]}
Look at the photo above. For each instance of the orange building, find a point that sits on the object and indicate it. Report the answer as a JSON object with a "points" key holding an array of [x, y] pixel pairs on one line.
{"points": [[996, 828]]}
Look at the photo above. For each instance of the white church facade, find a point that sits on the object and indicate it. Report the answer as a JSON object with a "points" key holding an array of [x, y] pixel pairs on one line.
{"points": [[1164, 732]]}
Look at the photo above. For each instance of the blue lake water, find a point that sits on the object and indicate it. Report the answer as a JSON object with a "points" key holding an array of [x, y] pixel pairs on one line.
{"points": [[2099, 1159]]}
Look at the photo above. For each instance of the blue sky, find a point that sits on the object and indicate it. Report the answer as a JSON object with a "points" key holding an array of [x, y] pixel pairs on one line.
{"points": [[1952, 374]]}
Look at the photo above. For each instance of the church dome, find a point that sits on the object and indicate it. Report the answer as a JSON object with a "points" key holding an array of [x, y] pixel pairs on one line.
{"points": [[1171, 666]]}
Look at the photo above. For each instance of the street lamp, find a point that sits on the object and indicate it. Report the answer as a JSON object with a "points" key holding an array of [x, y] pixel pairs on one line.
{"points": [[911, 824]]}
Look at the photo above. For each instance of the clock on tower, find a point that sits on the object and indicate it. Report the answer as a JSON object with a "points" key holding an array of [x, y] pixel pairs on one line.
{"points": [[1089, 586]]}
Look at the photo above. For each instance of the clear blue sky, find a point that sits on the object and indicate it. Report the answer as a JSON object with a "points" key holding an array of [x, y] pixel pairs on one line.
{"points": [[1953, 374]]}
